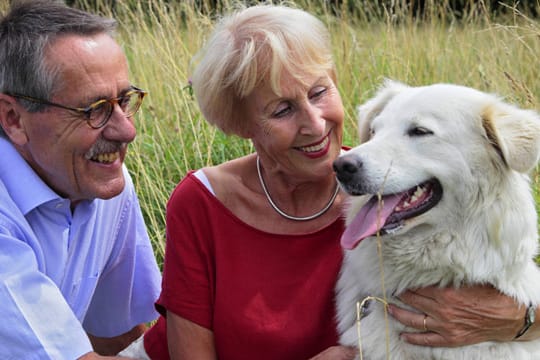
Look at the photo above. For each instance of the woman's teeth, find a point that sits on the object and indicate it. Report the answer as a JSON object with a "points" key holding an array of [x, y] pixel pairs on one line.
{"points": [[315, 148]]}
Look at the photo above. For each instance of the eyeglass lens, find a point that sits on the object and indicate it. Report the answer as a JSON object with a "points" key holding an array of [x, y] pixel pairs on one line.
{"points": [[102, 111]]}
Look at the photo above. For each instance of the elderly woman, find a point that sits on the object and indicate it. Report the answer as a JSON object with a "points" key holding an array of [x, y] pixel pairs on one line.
{"points": [[253, 248]]}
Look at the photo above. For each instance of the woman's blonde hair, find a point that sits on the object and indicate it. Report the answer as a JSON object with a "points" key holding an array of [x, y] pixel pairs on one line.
{"points": [[252, 46]]}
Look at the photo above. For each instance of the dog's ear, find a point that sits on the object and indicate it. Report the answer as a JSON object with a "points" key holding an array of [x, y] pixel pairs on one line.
{"points": [[515, 134], [373, 107]]}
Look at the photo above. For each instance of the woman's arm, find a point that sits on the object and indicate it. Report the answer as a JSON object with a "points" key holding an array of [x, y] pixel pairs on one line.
{"points": [[188, 340], [457, 317]]}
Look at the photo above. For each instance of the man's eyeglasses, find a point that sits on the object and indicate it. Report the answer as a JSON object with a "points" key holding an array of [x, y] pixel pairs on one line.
{"points": [[98, 113]]}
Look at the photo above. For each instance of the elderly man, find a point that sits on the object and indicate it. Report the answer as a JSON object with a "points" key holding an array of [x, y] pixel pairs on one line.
{"points": [[77, 273]]}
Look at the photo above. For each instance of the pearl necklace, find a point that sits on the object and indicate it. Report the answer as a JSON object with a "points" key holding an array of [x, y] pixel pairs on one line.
{"points": [[285, 215]]}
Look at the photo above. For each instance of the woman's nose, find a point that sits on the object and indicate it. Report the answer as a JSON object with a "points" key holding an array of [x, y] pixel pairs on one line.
{"points": [[313, 122]]}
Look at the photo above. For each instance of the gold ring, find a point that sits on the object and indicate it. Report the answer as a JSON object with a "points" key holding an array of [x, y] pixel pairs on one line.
{"points": [[425, 326]]}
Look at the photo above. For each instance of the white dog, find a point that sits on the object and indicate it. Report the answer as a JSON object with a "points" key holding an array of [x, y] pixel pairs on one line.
{"points": [[440, 180]]}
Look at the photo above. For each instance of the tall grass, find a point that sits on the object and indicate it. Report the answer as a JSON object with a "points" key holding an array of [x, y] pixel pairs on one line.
{"points": [[493, 53]]}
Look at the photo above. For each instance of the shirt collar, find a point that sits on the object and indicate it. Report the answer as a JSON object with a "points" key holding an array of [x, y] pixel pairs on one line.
{"points": [[25, 187]]}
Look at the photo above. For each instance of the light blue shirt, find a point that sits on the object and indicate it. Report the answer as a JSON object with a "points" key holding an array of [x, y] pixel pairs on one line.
{"points": [[63, 274]]}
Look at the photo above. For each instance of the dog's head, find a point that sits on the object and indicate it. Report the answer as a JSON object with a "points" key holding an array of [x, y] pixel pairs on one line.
{"points": [[425, 148]]}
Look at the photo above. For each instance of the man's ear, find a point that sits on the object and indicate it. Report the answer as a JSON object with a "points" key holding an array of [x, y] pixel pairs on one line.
{"points": [[10, 120]]}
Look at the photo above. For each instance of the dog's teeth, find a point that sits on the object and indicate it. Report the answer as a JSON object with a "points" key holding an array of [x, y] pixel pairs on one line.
{"points": [[393, 230]]}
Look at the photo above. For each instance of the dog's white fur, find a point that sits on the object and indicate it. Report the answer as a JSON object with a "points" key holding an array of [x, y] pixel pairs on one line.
{"points": [[483, 230]]}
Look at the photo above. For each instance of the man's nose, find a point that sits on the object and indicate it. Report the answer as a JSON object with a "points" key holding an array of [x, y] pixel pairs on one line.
{"points": [[120, 127]]}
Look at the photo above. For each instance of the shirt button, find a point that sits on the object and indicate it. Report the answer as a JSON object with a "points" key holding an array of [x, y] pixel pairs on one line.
{"points": [[59, 205]]}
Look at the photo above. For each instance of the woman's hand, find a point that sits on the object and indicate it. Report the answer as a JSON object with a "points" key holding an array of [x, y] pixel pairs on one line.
{"points": [[337, 353], [455, 317]]}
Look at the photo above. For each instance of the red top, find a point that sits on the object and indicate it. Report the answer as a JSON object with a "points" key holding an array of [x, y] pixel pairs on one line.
{"points": [[264, 295]]}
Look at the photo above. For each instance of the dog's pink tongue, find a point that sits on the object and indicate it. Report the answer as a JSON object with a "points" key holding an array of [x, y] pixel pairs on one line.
{"points": [[369, 220]]}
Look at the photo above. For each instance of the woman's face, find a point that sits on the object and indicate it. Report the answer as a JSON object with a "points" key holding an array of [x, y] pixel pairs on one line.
{"points": [[299, 132]]}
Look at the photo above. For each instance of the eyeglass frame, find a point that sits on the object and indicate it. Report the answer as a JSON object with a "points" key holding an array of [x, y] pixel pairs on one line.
{"points": [[87, 111]]}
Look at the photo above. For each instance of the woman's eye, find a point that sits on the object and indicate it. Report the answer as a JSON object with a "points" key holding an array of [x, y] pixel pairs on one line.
{"points": [[282, 110], [317, 92]]}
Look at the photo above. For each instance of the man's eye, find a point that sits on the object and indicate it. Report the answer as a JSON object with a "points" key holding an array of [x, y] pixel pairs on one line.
{"points": [[124, 102], [99, 109]]}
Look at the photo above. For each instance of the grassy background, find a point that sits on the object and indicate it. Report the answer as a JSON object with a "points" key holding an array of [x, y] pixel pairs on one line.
{"points": [[492, 52]]}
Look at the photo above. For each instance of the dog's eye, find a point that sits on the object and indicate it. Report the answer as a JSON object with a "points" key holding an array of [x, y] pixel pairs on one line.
{"points": [[419, 131]]}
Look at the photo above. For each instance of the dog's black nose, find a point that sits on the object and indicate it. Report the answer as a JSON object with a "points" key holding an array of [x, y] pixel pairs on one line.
{"points": [[346, 167]]}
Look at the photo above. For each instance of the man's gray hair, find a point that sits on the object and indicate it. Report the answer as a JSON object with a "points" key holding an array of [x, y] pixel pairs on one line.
{"points": [[25, 32]]}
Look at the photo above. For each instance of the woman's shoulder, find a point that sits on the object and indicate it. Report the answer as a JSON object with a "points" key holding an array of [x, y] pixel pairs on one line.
{"points": [[232, 167], [221, 181], [231, 175]]}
